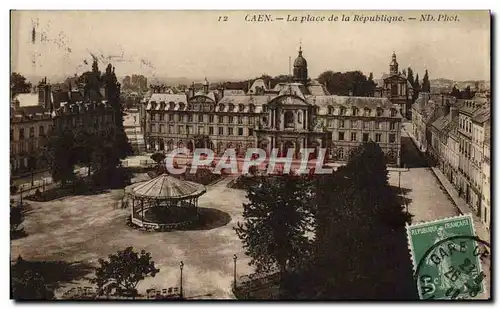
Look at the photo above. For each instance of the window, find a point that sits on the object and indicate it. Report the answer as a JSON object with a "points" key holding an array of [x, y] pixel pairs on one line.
{"points": [[340, 153], [181, 129], [240, 120], [231, 108], [189, 129], [347, 123], [341, 123], [264, 108], [353, 136], [366, 137], [366, 124], [216, 118], [342, 111], [354, 124], [171, 117], [250, 131], [181, 118], [379, 112], [354, 111], [379, 125], [201, 130], [240, 131], [241, 108], [221, 107], [211, 130], [231, 119], [341, 136], [162, 129], [32, 132], [200, 118], [162, 117], [211, 118], [171, 129], [378, 137], [393, 126], [330, 110], [230, 132], [41, 131], [392, 138], [367, 112], [190, 118], [393, 112], [330, 123], [152, 128], [221, 130]]}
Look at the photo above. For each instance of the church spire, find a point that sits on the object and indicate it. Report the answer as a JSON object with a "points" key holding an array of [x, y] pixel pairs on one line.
{"points": [[393, 67]]}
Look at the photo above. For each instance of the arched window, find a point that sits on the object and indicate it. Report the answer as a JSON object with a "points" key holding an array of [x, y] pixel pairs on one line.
{"points": [[340, 153], [289, 119]]}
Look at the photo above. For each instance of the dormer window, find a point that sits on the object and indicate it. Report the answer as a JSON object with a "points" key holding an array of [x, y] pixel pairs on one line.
{"points": [[393, 112], [354, 111], [241, 108], [221, 107], [379, 112], [367, 111], [181, 106], [171, 105], [330, 110], [342, 111], [251, 108], [231, 108], [264, 108]]}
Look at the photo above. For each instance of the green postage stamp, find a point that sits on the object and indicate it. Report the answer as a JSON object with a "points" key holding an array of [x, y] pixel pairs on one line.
{"points": [[446, 258]]}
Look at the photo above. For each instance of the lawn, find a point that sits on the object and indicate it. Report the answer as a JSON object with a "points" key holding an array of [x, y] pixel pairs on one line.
{"points": [[78, 230]]}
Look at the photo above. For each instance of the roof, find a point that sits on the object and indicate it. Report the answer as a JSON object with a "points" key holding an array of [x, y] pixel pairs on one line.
{"points": [[482, 115], [27, 99], [167, 98], [380, 82], [166, 187], [347, 101]]}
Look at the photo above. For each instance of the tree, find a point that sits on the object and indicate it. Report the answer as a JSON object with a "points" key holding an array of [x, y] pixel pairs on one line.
{"points": [[276, 221], [27, 284], [18, 84], [370, 261], [123, 270], [353, 82], [16, 217], [59, 152], [410, 77], [32, 167], [85, 145], [106, 157], [426, 84]]}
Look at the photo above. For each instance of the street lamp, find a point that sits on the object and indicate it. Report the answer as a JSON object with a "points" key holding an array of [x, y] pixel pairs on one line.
{"points": [[234, 273], [181, 266]]}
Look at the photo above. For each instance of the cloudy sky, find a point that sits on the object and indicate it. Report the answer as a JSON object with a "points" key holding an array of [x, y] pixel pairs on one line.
{"points": [[194, 44]]}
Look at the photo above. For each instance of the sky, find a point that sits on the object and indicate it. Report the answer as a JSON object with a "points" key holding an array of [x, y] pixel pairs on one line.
{"points": [[195, 44]]}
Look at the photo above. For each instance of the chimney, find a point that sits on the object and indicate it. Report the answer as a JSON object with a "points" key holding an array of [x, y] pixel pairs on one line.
{"points": [[453, 112]]}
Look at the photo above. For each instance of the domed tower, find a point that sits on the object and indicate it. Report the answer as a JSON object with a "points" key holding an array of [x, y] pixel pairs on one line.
{"points": [[300, 68], [394, 64]]}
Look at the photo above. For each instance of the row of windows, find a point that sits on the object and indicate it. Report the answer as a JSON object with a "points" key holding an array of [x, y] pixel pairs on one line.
{"points": [[465, 125], [365, 137], [203, 118], [356, 112], [181, 129], [191, 107], [379, 125], [32, 133]]}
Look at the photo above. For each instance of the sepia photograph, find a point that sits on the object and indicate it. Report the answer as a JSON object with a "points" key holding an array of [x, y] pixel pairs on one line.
{"points": [[171, 155]]}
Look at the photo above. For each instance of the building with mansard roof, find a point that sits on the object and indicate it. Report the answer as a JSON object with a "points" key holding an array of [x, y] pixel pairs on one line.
{"points": [[292, 115]]}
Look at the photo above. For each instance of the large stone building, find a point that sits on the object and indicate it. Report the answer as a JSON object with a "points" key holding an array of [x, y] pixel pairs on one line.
{"points": [[396, 87], [34, 116], [297, 114]]}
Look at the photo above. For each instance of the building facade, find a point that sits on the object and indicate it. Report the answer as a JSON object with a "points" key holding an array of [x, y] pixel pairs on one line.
{"points": [[34, 116], [486, 180], [292, 115], [396, 87]]}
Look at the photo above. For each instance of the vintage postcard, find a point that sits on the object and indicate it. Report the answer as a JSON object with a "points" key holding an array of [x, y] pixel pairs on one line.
{"points": [[264, 155]]}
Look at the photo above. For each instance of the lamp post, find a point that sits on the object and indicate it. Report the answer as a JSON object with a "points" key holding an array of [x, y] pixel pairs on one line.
{"points": [[181, 266], [234, 273]]}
